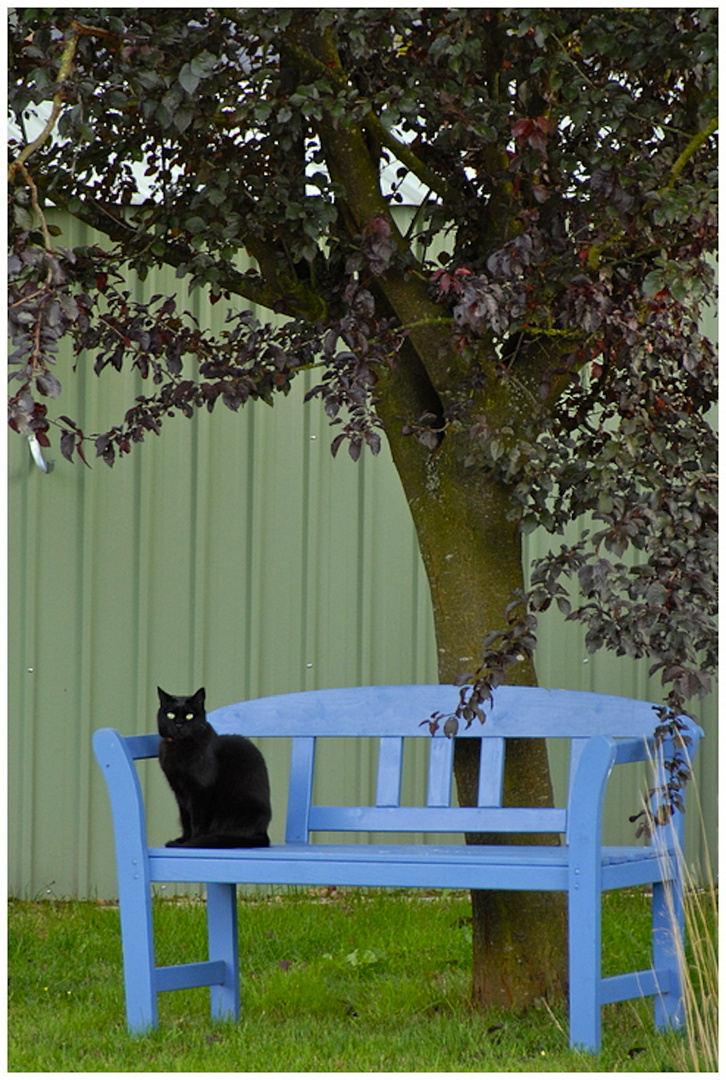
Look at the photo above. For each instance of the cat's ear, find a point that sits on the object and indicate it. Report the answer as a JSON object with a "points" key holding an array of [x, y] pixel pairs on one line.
{"points": [[163, 696], [198, 698]]}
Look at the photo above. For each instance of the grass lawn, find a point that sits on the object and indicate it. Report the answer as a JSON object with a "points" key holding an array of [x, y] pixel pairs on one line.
{"points": [[342, 981]]}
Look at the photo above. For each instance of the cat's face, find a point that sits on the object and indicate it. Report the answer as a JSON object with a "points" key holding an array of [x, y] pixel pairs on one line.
{"points": [[180, 717]]}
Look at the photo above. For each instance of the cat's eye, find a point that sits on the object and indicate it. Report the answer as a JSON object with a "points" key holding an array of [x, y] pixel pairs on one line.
{"points": [[189, 716], [170, 716]]}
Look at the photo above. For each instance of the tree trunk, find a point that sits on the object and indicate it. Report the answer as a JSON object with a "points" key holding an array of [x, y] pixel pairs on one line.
{"points": [[471, 552], [473, 559]]}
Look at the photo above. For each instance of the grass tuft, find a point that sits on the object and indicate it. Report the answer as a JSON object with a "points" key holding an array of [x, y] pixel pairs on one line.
{"points": [[333, 981]]}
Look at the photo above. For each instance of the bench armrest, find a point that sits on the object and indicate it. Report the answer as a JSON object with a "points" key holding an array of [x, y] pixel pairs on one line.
{"points": [[142, 746], [124, 791], [637, 749]]}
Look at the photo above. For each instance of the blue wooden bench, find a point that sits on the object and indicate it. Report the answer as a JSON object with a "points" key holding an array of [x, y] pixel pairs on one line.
{"points": [[603, 731]]}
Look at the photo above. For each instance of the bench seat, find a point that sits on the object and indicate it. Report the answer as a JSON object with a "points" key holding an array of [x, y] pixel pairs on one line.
{"points": [[401, 866]]}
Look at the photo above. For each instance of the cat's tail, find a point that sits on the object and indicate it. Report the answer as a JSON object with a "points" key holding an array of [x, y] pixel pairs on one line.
{"points": [[227, 840]]}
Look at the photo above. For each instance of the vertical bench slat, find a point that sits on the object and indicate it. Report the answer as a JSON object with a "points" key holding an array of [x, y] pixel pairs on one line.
{"points": [[441, 753], [300, 795], [491, 772], [390, 767]]}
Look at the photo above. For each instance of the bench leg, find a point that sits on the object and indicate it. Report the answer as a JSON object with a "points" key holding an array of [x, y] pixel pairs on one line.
{"points": [[137, 938], [223, 945], [668, 926], [585, 941]]}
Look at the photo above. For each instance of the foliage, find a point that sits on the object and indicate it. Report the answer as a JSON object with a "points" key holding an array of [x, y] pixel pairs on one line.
{"points": [[565, 160]]}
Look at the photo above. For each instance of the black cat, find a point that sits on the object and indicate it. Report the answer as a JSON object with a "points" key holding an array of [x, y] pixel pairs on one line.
{"points": [[220, 781]]}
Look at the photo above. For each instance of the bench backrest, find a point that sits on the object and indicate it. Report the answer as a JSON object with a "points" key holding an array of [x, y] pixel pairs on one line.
{"points": [[392, 714]]}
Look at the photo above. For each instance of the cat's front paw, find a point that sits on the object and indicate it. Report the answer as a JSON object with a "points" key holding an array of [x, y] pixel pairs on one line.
{"points": [[175, 843]]}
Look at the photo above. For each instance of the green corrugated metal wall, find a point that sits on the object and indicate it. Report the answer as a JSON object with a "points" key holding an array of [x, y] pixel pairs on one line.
{"points": [[234, 552]]}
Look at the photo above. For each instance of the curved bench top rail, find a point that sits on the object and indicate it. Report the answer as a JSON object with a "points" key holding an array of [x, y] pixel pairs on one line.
{"points": [[403, 710], [380, 711]]}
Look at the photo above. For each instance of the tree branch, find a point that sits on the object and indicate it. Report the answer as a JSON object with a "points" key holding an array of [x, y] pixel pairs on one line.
{"points": [[373, 124], [58, 101], [693, 146], [407, 157], [35, 203], [287, 297], [79, 30], [350, 164]]}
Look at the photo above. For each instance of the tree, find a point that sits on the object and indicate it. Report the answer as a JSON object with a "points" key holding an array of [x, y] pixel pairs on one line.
{"points": [[526, 340]]}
